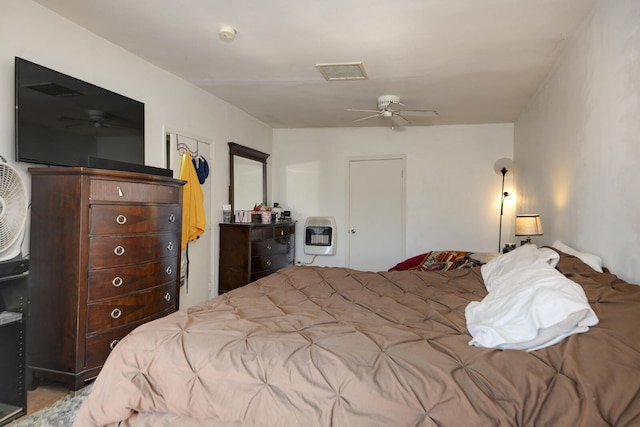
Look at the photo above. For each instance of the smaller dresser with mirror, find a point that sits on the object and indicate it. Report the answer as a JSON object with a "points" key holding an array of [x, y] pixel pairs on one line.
{"points": [[249, 251]]}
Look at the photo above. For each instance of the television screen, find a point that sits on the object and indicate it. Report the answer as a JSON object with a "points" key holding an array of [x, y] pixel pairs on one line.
{"points": [[63, 121]]}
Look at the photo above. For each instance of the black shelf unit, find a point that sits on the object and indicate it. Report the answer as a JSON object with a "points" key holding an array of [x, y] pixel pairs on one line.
{"points": [[13, 298]]}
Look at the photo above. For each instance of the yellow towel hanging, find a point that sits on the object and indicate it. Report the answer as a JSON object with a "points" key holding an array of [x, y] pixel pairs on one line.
{"points": [[193, 217]]}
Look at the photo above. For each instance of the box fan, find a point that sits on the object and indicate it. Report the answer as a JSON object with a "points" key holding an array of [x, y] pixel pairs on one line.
{"points": [[13, 211]]}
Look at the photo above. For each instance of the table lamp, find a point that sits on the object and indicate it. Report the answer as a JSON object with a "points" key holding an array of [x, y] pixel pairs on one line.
{"points": [[528, 225]]}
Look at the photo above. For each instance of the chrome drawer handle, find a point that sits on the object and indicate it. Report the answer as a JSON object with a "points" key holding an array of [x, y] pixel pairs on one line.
{"points": [[268, 262], [119, 250], [169, 270], [268, 247], [120, 193], [113, 344], [170, 246], [167, 297], [172, 218], [115, 313], [121, 219], [117, 281]]}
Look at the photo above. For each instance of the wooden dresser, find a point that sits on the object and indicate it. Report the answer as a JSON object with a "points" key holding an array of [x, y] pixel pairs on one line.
{"points": [[104, 259], [250, 251]]}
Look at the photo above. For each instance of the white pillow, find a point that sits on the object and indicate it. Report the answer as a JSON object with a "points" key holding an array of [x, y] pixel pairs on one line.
{"points": [[498, 269], [591, 260]]}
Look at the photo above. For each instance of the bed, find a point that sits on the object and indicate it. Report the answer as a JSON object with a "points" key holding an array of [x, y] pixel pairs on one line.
{"points": [[321, 346]]}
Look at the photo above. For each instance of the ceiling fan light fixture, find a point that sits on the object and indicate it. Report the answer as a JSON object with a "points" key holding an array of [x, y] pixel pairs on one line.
{"points": [[385, 101], [342, 71]]}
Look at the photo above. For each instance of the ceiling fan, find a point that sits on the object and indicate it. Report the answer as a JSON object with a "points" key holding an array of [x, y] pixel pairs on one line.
{"points": [[96, 119], [389, 106]]}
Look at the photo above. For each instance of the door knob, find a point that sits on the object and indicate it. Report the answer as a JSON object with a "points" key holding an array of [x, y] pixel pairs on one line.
{"points": [[352, 231]]}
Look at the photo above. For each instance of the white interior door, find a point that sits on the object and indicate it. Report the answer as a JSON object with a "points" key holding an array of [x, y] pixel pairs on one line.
{"points": [[376, 206], [197, 261]]}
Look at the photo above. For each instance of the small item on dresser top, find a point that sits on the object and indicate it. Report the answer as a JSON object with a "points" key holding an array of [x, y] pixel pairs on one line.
{"points": [[277, 210], [508, 247], [226, 213], [266, 217], [243, 216]]}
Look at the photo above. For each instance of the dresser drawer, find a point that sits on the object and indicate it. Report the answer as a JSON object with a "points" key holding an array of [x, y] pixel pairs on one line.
{"points": [[120, 311], [107, 251], [272, 262], [270, 247], [261, 233], [117, 281], [122, 219], [130, 191], [99, 345], [284, 230], [269, 232]]}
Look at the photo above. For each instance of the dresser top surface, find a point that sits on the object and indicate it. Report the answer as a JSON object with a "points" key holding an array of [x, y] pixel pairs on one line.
{"points": [[255, 224], [104, 173]]}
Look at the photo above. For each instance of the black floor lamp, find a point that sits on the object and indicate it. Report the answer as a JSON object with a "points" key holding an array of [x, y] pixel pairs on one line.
{"points": [[502, 167]]}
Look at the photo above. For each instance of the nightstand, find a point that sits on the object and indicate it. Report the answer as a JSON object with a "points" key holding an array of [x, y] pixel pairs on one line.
{"points": [[480, 258]]}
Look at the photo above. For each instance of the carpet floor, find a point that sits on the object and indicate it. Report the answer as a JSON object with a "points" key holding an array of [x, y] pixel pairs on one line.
{"points": [[59, 414]]}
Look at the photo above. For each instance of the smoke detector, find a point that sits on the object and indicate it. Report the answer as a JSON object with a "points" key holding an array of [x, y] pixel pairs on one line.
{"points": [[227, 33]]}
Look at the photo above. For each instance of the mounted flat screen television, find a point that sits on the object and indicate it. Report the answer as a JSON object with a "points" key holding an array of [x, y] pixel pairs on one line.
{"points": [[64, 121]]}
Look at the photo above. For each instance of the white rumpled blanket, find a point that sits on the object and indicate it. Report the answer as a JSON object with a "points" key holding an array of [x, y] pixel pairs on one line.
{"points": [[530, 305]]}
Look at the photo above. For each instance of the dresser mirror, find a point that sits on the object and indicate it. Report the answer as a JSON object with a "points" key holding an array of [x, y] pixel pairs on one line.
{"points": [[247, 177]]}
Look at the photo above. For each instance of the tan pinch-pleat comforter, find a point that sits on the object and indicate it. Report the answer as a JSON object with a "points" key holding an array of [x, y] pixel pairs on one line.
{"points": [[312, 346]]}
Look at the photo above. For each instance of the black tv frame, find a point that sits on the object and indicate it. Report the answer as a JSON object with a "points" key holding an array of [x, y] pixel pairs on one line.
{"points": [[102, 163], [87, 159]]}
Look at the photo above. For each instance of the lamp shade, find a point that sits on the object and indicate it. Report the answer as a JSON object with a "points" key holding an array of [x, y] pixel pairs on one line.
{"points": [[528, 225]]}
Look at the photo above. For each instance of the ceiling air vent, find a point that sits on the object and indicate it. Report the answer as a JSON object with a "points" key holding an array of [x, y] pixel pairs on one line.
{"points": [[53, 89], [343, 71]]}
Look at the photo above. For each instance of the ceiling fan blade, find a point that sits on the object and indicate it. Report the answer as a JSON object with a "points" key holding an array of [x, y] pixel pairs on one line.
{"points": [[367, 118], [72, 119], [427, 113], [361, 111], [398, 120], [119, 125]]}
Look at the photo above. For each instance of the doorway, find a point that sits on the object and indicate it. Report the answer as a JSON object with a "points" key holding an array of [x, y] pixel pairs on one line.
{"points": [[376, 212], [196, 267]]}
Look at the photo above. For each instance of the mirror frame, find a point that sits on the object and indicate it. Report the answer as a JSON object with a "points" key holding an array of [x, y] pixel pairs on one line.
{"points": [[251, 154]]}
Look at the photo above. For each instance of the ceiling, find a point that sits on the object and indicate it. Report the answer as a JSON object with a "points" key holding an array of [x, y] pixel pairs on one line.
{"points": [[474, 61]]}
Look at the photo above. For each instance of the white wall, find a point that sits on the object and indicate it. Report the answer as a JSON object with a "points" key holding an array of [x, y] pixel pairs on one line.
{"points": [[578, 142], [32, 32], [453, 193]]}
